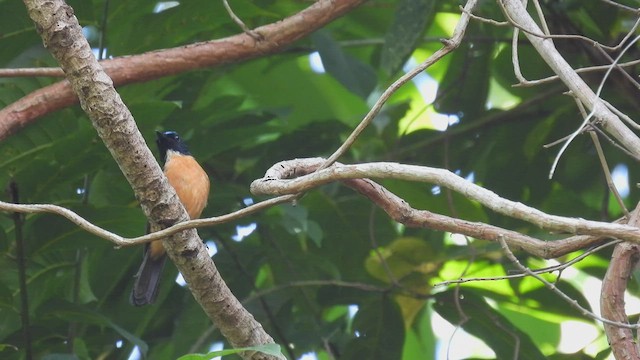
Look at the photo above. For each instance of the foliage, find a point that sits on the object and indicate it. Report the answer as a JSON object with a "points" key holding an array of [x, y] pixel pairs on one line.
{"points": [[241, 118]]}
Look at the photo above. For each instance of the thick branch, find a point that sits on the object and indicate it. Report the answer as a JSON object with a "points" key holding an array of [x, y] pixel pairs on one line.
{"points": [[271, 184], [515, 11], [62, 36], [157, 64]]}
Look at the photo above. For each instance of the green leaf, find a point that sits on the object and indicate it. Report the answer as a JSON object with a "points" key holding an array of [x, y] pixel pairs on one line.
{"points": [[79, 313], [379, 331], [85, 295], [80, 349], [296, 222], [409, 23], [487, 324], [356, 76]]}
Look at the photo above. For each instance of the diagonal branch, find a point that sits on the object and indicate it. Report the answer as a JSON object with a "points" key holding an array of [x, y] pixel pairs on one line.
{"points": [[156, 64], [62, 36], [449, 46], [517, 13]]}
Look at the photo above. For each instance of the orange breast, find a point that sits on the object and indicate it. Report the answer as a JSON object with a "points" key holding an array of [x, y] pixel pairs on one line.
{"points": [[190, 182], [192, 186]]}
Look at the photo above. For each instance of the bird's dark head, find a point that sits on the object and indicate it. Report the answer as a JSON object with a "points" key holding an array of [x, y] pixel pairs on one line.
{"points": [[170, 141]]}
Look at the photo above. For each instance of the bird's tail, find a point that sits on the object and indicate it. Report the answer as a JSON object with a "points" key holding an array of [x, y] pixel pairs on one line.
{"points": [[145, 287]]}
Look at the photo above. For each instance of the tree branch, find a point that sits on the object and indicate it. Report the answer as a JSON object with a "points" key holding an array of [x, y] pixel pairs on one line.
{"points": [[299, 175], [120, 241], [574, 304], [612, 305], [449, 46], [515, 11], [156, 64], [62, 36]]}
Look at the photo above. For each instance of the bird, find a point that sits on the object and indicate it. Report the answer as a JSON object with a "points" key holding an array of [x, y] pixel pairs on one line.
{"points": [[192, 185]]}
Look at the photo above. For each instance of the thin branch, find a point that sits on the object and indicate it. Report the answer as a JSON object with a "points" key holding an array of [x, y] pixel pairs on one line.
{"points": [[32, 72], [584, 70], [515, 61], [543, 21], [449, 45], [593, 110], [603, 134], [574, 304], [622, 116], [622, 6], [607, 173], [609, 120], [305, 283], [549, 269], [603, 163], [523, 82], [539, 34], [255, 35], [483, 19], [158, 235]]}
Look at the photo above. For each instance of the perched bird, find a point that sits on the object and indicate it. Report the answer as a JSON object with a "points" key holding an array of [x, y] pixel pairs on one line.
{"points": [[192, 186]]}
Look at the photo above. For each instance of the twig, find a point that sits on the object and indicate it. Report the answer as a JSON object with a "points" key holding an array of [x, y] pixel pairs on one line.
{"points": [[599, 131], [543, 36], [583, 70], [609, 121], [483, 19], [622, 6], [449, 45], [524, 82], [32, 72], [514, 57], [593, 110], [605, 166], [304, 283], [622, 115], [543, 21], [545, 270], [255, 35], [607, 173], [558, 292], [122, 241]]}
